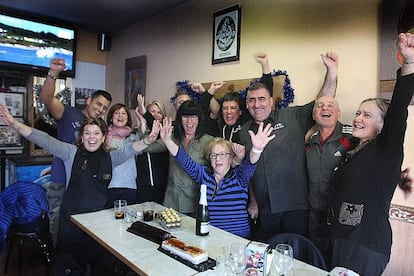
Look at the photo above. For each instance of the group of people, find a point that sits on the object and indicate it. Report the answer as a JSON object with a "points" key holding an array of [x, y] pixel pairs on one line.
{"points": [[294, 170]]}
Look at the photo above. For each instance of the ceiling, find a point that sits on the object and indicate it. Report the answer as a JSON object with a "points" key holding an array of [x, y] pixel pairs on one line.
{"points": [[92, 15]]}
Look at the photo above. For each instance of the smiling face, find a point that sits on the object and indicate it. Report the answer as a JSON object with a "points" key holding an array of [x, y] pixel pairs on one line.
{"points": [[156, 112], [368, 121], [92, 137], [231, 112], [326, 112], [120, 118], [97, 107], [190, 124], [259, 103], [220, 159]]}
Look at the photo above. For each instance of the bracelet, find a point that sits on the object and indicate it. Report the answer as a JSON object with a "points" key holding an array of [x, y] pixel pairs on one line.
{"points": [[146, 142], [256, 150], [408, 62], [51, 76]]}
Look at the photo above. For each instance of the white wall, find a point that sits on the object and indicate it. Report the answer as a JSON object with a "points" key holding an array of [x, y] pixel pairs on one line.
{"points": [[292, 32]]}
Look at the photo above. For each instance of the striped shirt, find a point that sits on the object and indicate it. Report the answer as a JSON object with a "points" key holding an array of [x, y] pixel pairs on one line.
{"points": [[227, 204]]}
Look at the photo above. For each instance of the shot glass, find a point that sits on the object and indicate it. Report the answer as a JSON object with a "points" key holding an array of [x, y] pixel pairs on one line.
{"points": [[130, 215], [148, 210], [119, 208]]}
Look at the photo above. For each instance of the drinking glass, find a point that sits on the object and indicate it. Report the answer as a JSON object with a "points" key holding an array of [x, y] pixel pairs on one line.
{"points": [[283, 258], [237, 258]]}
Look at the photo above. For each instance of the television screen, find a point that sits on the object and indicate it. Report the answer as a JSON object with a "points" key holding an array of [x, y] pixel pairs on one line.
{"points": [[28, 45]]}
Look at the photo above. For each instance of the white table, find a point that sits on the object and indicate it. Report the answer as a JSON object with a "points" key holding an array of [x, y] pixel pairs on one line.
{"points": [[142, 256]]}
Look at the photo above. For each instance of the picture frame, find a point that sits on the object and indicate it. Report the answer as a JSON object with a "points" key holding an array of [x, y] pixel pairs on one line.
{"points": [[10, 139], [14, 102], [226, 35], [135, 79]]}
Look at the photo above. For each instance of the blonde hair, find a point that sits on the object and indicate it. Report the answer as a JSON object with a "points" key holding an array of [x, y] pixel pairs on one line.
{"points": [[219, 141], [160, 106], [381, 103]]}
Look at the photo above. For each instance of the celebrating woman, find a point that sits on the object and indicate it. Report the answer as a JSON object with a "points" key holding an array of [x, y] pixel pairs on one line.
{"points": [[227, 189], [364, 184], [88, 168]]}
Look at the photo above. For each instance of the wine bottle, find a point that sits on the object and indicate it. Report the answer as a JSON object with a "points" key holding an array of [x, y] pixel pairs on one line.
{"points": [[203, 217]]}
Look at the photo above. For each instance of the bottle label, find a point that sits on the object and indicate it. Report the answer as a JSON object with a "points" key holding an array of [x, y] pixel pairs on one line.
{"points": [[204, 227]]}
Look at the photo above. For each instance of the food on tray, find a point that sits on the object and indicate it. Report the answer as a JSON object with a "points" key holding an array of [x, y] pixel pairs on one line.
{"points": [[187, 252], [169, 218], [149, 232]]}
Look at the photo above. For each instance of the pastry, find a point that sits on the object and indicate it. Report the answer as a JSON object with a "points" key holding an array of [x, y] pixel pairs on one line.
{"points": [[187, 252], [169, 218]]}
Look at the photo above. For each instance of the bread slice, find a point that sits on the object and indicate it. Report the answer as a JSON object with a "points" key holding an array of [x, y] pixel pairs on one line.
{"points": [[187, 252]]}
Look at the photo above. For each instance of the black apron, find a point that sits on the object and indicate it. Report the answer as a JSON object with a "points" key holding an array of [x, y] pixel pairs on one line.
{"points": [[86, 192]]}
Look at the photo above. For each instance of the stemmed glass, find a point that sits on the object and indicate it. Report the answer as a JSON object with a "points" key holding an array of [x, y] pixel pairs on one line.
{"points": [[237, 258], [283, 258]]}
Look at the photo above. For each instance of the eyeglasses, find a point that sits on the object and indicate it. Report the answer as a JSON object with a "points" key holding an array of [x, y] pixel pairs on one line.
{"points": [[221, 155]]}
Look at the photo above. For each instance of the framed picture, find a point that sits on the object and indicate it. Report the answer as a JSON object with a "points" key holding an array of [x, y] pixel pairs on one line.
{"points": [[13, 102], [135, 79], [226, 35], [10, 138]]}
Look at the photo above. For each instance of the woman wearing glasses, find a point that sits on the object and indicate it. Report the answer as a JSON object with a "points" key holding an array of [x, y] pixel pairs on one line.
{"points": [[227, 188]]}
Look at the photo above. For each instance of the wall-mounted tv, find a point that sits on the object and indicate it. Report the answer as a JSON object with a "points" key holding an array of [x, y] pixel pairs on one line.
{"points": [[28, 45]]}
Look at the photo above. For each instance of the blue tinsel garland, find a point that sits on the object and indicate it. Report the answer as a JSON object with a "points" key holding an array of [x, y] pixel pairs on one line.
{"points": [[288, 95]]}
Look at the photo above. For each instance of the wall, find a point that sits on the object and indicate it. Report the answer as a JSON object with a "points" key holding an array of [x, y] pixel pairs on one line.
{"points": [[292, 32], [87, 48]]}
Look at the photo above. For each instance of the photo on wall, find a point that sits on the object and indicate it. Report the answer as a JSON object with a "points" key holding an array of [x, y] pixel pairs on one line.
{"points": [[135, 79]]}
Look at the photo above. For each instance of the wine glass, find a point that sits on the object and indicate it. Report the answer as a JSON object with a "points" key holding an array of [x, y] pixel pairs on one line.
{"points": [[283, 258], [237, 258]]}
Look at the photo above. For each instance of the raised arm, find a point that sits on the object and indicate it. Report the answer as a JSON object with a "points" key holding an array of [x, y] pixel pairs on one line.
{"points": [[9, 120], [47, 93], [165, 134], [214, 104], [330, 60], [259, 141], [142, 144], [266, 77], [405, 45], [263, 59]]}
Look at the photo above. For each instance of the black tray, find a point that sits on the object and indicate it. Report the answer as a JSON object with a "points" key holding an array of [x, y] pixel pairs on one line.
{"points": [[210, 263], [149, 232]]}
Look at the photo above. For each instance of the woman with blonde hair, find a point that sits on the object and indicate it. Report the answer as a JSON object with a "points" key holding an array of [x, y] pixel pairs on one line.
{"points": [[152, 166], [227, 188]]}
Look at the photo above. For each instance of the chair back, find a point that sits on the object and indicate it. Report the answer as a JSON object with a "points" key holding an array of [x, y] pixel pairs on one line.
{"points": [[303, 249]]}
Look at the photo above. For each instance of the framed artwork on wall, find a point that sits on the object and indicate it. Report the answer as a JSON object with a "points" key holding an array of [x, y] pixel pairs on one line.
{"points": [[13, 102], [226, 35], [135, 79]]}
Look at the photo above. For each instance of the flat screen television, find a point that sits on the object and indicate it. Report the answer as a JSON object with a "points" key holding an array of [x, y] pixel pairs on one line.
{"points": [[28, 45]]}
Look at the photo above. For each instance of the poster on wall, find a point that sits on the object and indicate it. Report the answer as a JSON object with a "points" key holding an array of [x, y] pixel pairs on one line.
{"points": [[81, 96], [135, 79], [226, 35]]}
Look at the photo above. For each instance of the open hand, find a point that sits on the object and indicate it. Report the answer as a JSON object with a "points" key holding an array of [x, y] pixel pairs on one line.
{"points": [[5, 115], [166, 129], [330, 60], [262, 137]]}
